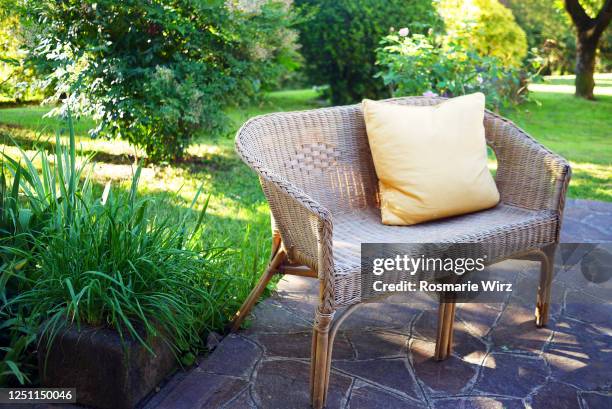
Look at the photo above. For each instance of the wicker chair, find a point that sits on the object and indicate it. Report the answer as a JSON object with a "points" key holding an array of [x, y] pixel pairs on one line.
{"points": [[317, 173]]}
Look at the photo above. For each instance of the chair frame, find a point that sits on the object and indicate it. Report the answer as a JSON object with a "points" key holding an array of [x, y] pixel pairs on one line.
{"points": [[285, 259]]}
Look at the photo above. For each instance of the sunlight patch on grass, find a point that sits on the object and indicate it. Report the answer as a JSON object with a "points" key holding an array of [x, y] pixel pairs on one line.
{"points": [[204, 149], [564, 84], [45, 136], [601, 78], [591, 181], [567, 89]]}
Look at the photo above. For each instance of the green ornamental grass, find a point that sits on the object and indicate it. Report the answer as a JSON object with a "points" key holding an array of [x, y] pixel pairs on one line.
{"points": [[106, 260]]}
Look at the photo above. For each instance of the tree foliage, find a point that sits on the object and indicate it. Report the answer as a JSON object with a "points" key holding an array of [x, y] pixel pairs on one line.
{"points": [[157, 72], [487, 26], [339, 41], [604, 46], [15, 76], [549, 28]]}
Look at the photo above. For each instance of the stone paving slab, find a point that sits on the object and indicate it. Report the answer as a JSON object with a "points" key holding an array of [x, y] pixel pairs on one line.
{"points": [[383, 354]]}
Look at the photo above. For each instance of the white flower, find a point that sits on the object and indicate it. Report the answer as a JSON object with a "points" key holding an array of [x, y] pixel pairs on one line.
{"points": [[403, 32], [429, 94]]}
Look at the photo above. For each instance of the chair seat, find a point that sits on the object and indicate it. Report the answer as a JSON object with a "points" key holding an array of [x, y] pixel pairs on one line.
{"points": [[515, 227]]}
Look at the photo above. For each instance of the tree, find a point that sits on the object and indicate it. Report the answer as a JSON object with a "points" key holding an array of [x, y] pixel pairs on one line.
{"points": [[588, 32]]}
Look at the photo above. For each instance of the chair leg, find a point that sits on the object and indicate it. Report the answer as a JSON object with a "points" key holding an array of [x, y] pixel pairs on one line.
{"points": [[273, 266], [276, 243], [546, 276], [320, 359], [444, 340]]}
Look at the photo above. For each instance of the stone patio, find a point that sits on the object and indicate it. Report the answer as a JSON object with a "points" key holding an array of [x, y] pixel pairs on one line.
{"points": [[382, 357]]}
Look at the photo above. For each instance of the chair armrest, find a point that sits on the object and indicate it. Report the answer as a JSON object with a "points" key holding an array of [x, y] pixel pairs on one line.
{"points": [[304, 224], [528, 174]]}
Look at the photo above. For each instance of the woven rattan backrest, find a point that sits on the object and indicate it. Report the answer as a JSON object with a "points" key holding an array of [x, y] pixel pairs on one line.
{"points": [[325, 153]]}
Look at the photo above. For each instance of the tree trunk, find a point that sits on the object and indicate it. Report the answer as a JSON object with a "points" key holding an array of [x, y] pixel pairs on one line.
{"points": [[588, 30], [586, 50]]}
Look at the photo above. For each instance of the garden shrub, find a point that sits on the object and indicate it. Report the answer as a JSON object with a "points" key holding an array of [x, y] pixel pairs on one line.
{"points": [[157, 73], [340, 37], [414, 64], [486, 26]]}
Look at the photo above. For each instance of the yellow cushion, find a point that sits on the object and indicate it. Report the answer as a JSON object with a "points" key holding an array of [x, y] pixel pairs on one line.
{"points": [[431, 161]]}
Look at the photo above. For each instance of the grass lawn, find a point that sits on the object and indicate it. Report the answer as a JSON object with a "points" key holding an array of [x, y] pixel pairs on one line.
{"points": [[238, 214], [577, 129]]}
